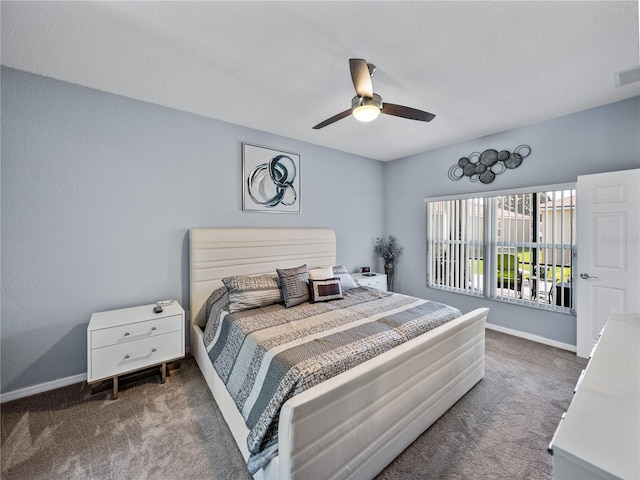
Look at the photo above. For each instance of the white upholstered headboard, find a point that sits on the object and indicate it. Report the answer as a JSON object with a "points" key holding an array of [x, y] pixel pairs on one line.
{"points": [[216, 253]]}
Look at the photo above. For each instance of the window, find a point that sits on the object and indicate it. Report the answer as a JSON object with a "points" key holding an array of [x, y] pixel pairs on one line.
{"points": [[513, 246]]}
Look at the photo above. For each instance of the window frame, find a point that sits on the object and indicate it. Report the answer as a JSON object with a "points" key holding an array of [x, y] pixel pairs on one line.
{"points": [[491, 245]]}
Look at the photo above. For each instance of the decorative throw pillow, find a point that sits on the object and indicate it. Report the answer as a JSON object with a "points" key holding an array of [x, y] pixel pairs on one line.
{"points": [[321, 273], [246, 292], [294, 285], [347, 281], [324, 290]]}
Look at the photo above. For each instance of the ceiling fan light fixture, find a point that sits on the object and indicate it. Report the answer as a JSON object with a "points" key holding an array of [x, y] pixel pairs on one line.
{"points": [[366, 109], [366, 105], [366, 113]]}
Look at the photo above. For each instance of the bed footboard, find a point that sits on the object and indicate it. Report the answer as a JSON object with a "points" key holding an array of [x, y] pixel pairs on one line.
{"points": [[355, 424]]}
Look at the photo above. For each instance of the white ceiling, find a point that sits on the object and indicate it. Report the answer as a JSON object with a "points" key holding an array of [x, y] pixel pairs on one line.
{"points": [[282, 67]]}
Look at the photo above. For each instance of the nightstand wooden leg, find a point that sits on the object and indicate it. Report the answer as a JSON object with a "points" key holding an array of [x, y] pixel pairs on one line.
{"points": [[163, 369], [115, 388]]}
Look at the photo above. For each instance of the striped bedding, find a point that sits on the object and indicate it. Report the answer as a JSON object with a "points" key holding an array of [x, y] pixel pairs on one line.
{"points": [[267, 355]]}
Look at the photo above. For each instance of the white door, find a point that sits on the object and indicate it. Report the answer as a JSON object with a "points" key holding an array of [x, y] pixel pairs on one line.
{"points": [[608, 243]]}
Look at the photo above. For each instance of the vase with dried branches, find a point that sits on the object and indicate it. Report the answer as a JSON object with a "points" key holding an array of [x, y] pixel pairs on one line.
{"points": [[389, 251]]}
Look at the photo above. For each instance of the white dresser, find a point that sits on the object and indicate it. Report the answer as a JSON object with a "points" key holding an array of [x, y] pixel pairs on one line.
{"points": [[130, 339], [376, 280], [599, 435]]}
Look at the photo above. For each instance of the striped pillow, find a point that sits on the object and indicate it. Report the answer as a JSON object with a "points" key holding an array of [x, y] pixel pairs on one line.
{"points": [[295, 289], [246, 292]]}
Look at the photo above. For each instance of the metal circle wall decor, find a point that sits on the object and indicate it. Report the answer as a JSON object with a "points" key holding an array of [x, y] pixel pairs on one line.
{"points": [[486, 165]]}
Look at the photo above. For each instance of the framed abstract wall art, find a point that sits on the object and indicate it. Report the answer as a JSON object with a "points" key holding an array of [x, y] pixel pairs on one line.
{"points": [[270, 180]]}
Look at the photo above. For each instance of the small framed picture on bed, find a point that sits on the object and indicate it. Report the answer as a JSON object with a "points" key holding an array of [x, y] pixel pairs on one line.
{"points": [[270, 180]]}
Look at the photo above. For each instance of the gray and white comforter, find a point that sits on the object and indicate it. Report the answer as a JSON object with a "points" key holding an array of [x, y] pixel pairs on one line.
{"points": [[267, 355]]}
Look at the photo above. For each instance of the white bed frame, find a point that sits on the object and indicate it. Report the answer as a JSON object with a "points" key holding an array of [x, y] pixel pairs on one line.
{"points": [[355, 424]]}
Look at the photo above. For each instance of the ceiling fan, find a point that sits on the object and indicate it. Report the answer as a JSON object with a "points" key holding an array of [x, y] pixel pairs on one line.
{"points": [[366, 105]]}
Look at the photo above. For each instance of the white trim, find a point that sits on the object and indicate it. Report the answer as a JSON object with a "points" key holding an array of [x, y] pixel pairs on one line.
{"points": [[82, 377], [510, 191], [42, 387], [532, 337], [46, 386]]}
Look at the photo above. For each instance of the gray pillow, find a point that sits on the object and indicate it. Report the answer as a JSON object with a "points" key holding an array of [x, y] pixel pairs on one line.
{"points": [[246, 292], [295, 288], [346, 280]]}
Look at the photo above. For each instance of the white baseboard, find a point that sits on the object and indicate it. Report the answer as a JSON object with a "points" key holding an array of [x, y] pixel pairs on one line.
{"points": [[532, 337], [82, 377], [42, 387], [46, 386]]}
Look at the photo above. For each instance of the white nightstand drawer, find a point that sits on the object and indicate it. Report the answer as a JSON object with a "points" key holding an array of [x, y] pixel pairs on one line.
{"points": [[378, 281], [129, 356], [135, 331], [375, 282]]}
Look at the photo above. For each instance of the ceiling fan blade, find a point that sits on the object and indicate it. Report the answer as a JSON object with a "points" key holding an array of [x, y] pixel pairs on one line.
{"points": [[361, 77], [406, 112], [335, 118]]}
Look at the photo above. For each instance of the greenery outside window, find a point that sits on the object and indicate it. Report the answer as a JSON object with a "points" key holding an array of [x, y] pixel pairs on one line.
{"points": [[516, 246]]}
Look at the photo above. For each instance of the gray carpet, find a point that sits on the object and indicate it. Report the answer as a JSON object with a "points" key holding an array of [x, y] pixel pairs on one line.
{"points": [[499, 430]]}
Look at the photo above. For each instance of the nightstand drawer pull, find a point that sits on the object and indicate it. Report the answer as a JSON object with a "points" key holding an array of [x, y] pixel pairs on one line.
{"points": [[127, 356], [135, 331], [126, 334]]}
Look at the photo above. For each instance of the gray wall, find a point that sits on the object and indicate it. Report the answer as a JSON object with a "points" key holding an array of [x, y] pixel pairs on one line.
{"points": [[594, 141], [98, 194], [99, 191]]}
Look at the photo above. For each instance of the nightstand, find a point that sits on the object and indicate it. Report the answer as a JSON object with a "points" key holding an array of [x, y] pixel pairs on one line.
{"points": [[375, 280], [131, 339]]}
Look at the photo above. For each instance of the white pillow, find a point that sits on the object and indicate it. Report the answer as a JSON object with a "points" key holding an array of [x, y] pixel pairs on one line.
{"points": [[321, 273]]}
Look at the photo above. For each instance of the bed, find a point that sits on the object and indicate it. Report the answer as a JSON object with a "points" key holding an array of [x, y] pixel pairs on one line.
{"points": [[355, 423]]}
